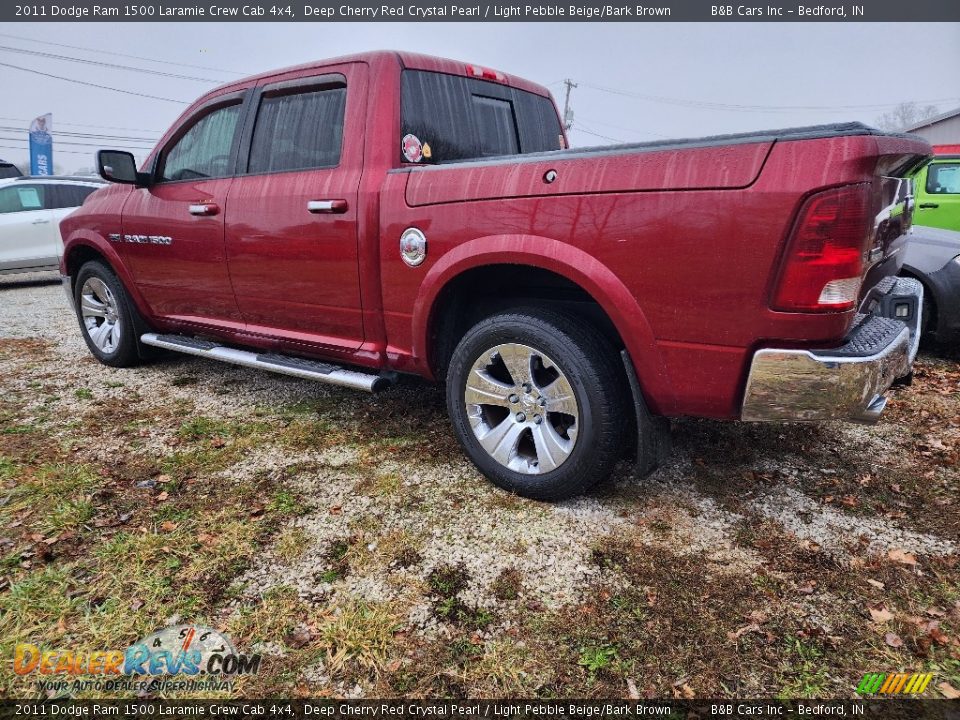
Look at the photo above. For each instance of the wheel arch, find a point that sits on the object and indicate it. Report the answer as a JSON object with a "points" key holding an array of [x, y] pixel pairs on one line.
{"points": [[550, 271], [84, 248]]}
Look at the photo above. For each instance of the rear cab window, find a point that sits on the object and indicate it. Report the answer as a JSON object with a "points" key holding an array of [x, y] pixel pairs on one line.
{"points": [[943, 179], [299, 126], [451, 118]]}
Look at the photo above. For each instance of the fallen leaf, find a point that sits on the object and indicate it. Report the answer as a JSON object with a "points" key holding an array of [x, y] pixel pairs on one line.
{"points": [[808, 588], [939, 637], [218, 442], [163, 478], [162, 496], [168, 526], [902, 557], [651, 596], [136, 604], [734, 636], [299, 638], [880, 615], [632, 691], [893, 640], [948, 690], [876, 583], [336, 510], [849, 501], [393, 665]]}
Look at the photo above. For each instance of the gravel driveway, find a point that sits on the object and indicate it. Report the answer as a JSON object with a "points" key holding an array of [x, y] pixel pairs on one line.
{"points": [[346, 538]]}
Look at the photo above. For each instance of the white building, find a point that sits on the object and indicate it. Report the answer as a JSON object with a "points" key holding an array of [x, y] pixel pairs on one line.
{"points": [[943, 129]]}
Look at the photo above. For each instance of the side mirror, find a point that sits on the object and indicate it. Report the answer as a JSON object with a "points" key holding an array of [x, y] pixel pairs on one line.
{"points": [[118, 166]]}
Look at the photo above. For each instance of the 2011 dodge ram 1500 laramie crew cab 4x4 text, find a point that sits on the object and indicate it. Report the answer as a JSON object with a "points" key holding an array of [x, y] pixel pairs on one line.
{"points": [[385, 213]]}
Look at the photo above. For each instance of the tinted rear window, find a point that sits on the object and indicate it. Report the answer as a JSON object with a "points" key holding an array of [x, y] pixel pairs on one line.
{"points": [[462, 118], [68, 196], [298, 131]]}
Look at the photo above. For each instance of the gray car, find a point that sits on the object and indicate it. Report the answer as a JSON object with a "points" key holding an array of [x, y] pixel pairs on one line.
{"points": [[933, 258]]}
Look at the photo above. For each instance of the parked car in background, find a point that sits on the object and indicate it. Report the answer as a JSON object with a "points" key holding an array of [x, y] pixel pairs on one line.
{"points": [[937, 188], [933, 258], [31, 209], [398, 213], [9, 170]]}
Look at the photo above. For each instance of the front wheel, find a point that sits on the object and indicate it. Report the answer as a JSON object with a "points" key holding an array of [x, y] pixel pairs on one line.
{"points": [[107, 316], [538, 402]]}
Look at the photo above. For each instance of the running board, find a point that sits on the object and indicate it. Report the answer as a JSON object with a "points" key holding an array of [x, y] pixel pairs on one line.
{"points": [[283, 364]]}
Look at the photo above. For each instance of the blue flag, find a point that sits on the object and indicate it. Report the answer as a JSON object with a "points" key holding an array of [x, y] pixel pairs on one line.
{"points": [[41, 145]]}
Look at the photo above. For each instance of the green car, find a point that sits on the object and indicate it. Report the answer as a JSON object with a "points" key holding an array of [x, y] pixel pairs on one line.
{"points": [[937, 192]]}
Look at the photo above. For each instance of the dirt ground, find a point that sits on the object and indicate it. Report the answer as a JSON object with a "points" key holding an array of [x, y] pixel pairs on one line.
{"points": [[346, 538]]}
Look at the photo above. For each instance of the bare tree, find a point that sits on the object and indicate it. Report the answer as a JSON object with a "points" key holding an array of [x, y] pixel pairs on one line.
{"points": [[906, 115]]}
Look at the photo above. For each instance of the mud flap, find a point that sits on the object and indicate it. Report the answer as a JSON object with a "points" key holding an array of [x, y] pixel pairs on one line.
{"points": [[653, 431]]}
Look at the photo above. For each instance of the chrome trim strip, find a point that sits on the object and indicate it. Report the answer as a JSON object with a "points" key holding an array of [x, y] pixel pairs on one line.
{"points": [[343, 378]]}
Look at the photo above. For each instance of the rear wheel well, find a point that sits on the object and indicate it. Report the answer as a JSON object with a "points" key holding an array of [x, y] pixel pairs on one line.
{"points": [[480, 292]]}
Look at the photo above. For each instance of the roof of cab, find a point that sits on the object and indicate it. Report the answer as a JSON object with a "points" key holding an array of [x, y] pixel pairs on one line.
{"points": [[413, 61]]}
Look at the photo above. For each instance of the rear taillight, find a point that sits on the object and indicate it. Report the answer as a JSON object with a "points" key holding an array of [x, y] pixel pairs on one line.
{"points": [[824, 263]]}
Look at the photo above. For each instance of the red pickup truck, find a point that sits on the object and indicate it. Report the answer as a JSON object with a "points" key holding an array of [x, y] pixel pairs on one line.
{"points": [[385, 213]]}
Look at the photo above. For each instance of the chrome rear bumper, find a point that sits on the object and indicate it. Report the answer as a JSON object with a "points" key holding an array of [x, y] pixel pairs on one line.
{"points": [[844, 383]]}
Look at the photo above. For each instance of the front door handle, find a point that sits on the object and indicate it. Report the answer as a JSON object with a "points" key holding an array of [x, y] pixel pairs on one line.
{"points": [[327, 206], [39, 222], [927, 206], [204, 209]]}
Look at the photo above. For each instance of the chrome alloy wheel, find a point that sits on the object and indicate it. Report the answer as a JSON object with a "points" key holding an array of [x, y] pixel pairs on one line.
{"points": [[522, 408], [101, 315]]}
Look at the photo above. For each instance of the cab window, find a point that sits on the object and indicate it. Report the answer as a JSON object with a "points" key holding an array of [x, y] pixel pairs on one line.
{"points": [[462, 118], [298, 129], [206, 149], [943, 179], [21, 198]]}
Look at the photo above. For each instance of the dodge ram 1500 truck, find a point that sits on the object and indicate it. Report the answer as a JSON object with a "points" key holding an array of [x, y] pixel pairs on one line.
{"points": [[357, 218]]}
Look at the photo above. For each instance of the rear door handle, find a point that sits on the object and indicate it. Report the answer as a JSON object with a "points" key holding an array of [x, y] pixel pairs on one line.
{"points": [[929, 205], [204, 209], [327, 206], [39, 222]]}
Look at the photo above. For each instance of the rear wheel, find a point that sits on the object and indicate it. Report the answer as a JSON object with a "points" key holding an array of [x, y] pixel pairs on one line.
{"points": [[538, 402], [108, 318]]}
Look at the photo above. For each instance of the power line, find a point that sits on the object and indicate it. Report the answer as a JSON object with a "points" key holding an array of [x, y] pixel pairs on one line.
{"points": [[628, 129], [116, 54], [88, 136], [100, 63], [85, 144], [708, 105], [81, 125], [596, 134], [89, 84], [68, 152]]}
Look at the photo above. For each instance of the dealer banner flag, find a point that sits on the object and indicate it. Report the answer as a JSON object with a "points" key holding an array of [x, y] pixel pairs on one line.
{"points": [[41, 145]]}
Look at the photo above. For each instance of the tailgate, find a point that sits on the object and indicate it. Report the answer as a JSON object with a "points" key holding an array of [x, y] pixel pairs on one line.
{"points": [[893, 205]]}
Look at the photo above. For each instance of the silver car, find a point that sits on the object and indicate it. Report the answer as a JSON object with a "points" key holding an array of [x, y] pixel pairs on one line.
{"points": [[933, 258]]}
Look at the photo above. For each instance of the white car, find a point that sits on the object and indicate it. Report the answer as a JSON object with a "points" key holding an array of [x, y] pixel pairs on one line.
{"points": [[31, 209]]}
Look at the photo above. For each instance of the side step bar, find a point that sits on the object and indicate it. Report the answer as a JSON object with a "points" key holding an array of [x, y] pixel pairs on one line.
{"points": [[283, 364]]}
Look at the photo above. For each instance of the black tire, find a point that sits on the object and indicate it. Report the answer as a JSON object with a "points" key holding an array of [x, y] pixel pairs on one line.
{"points": [[126, 352], [585, 359]]}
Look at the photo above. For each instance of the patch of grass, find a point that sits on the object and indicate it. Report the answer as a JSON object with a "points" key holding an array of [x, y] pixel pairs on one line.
{"points": [[803, 673], [448, 580], [291, 544], [508, 584], [358, 633], [83, 394], [203, 428], [184, 380], [597, 658], [270, 620], [285, 502]]}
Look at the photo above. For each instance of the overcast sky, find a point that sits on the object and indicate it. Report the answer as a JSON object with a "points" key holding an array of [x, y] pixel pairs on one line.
{"points": [[682, 68]]}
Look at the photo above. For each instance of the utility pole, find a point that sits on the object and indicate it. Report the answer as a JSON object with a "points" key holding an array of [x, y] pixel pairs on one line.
{"points": [[567, 111]]}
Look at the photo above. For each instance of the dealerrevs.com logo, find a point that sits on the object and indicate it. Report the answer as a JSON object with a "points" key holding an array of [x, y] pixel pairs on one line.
{"points": [[182, 657]]}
